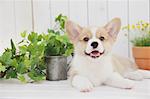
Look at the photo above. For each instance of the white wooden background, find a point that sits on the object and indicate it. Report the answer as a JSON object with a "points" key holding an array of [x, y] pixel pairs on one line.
{"points": [[38, 15]]}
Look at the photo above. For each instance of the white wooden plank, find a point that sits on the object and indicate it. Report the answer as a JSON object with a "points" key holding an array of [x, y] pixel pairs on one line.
{"points": [[97, 12], [7, 23], [118, 8], [138, 10], [78, 11], [58, 7], [23, 17], [41, 10], [63, 90]]}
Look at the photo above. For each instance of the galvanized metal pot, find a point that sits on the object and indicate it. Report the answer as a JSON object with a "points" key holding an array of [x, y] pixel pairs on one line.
{"points": [[56, 68]]}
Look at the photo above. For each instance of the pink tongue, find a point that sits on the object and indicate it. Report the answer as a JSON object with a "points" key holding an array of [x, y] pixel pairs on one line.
{"points": [[94, 53]]}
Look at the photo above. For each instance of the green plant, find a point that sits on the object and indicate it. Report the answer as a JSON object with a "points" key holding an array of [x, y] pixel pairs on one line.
{"points": [[142, 41], [26, 64], [58, 42], [25, 60], [139, 33]]}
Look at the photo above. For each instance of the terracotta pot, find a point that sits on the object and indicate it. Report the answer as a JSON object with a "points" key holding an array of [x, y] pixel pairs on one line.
{"points": [[142, 57]]}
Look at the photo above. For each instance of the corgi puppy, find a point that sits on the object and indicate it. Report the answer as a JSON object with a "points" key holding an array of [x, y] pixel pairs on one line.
{"points": [[93, 63]]}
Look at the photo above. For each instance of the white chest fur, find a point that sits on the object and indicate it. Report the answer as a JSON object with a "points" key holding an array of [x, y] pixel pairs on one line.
{"points": [[96, 70]]}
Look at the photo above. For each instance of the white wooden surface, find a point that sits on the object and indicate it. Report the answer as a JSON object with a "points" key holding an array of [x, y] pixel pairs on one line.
{"points": [[16, 16], [12, 89]]}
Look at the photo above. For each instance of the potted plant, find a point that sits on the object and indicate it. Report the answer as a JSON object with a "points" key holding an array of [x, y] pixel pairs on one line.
{"points": [[26, 59], [56, 51], [140, 38]]}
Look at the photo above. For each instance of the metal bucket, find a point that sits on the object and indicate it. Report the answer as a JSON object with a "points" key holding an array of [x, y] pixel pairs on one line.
{"points": [[56, 68]]}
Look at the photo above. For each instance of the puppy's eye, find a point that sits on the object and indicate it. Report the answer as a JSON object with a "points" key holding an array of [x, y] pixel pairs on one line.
{"points": [[102, 38], [85, 39]]}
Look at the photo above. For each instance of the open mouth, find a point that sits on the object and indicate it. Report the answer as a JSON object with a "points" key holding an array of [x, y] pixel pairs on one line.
{"points": [[95, 54]]}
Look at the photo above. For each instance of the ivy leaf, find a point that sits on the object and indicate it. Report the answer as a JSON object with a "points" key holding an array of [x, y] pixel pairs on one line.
{"points": [[11, 73], [68, 52], [59, 38], [27, 63], [65, 39], [2, 68], [13, 48], [34, 75], [33, 37], [40, 37], [51, 31], [58, 17], [6, 57], [21, 68], [23, 34], [14, 63], [61, 19], [21, 78], [23, 49]]}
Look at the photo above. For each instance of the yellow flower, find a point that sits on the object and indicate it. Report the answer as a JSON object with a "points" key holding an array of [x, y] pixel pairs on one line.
{"points": [[128, 27], [138, 26], [133, 26], [145, 25]]}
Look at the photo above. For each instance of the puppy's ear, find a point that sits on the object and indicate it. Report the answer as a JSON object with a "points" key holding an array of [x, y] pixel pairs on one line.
{"points": [[113, 27], [73, 30]]}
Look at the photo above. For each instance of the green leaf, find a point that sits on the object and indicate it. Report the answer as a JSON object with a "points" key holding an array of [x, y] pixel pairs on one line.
{"points": [[59, 38], [36, 76], [6, 57], [14, 63], [21, 78], [40, 37], [68, 52], [23, 34], [33, 37], [21, 68], [58, 18], [13, 48], [61, 19], [51, 31], [2, 68], [23, 49], [142, 41], [27, 63], [11, 73]]}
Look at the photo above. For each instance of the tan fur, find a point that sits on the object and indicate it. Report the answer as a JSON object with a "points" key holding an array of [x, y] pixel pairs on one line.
{"points": [[122, 64], [85, 33], [114, 22], [109, 41]]}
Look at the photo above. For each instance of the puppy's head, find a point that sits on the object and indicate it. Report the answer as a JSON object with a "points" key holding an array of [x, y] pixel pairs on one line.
{"points": [[93, 42]]}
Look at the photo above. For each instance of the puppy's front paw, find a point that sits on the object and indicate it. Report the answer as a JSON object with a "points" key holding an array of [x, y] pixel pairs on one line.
{"points": [[127, 84], [82, 83]]}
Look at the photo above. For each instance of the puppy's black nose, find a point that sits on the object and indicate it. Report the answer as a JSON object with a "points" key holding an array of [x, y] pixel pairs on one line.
{"points": [[94, 44]]}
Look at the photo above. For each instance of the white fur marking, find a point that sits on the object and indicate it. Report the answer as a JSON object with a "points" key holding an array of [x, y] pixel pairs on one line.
{"points": [[93, 30], [82, 83]]}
